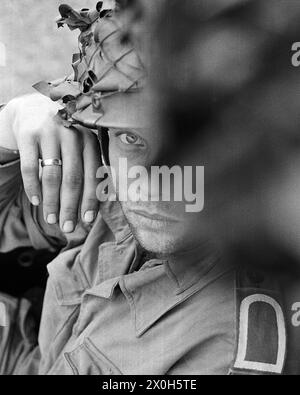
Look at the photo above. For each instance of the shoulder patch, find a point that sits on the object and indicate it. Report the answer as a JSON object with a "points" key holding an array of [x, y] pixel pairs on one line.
{"points": [[264, 317]]}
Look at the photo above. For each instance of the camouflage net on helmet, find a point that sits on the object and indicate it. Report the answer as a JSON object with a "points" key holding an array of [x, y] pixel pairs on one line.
{"points": [[106, 64]]}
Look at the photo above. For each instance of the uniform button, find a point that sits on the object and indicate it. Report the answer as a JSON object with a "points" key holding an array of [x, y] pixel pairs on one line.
{"points": [[26, 259]]}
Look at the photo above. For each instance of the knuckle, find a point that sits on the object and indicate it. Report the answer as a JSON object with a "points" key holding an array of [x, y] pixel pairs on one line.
{"points": [[90, 138], [90, 201], [50, 207], [31, 191], [71, 136], [91, 143], [28, 169], [73, 181], [30, 186], [91, 178], [52, 178], [69, 212]]}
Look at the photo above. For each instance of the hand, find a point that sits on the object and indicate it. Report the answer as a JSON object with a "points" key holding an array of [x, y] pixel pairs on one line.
{"points": [[37, 133]]}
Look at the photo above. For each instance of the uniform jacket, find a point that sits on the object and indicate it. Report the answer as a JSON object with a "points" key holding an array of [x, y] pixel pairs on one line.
{"points": [[108, 309]]}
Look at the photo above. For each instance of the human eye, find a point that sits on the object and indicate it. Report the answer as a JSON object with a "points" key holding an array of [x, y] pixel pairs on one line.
{"points": [[129, 138]]}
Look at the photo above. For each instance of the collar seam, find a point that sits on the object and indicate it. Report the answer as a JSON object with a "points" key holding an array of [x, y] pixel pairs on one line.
{"points": [[181, 298], [132, 304], [124, 239], [171, 274], [183, 289]]}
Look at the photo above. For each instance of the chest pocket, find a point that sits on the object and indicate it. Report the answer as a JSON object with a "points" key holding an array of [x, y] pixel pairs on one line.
{"points": [[88, 360]]}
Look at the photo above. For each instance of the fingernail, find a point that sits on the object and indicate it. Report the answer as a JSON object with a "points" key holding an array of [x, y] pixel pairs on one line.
{"points": [[89, 216], [35, 201], [52, 219], [68, 227]]}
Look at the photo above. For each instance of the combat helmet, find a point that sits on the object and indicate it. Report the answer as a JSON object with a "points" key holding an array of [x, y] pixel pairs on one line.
{"points": [[106, 89]]}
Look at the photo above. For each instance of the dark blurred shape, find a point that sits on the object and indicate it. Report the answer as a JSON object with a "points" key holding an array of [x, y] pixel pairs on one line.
{"points": [[23, 270], [228, 96], [23, 274]]}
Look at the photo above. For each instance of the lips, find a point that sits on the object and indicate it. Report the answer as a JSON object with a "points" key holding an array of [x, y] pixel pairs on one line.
{"points": [[154, 216]]}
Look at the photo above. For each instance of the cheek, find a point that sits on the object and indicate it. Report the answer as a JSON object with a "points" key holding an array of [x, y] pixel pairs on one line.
{"points": [[121, 161], [113, 155], [134, 156]]}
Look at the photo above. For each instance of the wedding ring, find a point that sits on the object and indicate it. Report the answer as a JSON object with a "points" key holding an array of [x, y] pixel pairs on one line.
{"points": [[51, 162]]}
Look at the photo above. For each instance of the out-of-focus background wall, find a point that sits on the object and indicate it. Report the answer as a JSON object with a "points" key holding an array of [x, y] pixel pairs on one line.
{"points": [[35, 49]]}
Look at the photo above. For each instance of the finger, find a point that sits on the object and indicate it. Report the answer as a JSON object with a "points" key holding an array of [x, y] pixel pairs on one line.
{"points": [[51, 181], [72, 181], [91, 163], [29, 157]]}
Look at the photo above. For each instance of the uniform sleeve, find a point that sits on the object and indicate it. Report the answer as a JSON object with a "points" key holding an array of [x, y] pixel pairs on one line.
{"points": [[21, 224], [19, 351]]}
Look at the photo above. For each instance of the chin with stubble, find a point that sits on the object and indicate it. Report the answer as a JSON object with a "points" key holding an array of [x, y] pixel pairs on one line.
{"points": [[158, 231]]}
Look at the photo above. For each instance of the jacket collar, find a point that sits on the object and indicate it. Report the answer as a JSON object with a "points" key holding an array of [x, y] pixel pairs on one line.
{"points": [[112, 214], [152, 292], [187, 268], [152, 288], [156, 286]]}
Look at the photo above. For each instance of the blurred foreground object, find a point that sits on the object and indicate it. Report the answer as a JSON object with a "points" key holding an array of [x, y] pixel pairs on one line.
{"points": [[225, 91], [228, 93]]}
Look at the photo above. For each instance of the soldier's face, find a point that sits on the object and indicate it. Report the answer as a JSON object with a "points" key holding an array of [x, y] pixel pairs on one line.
{"points": [[162, 227]]}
